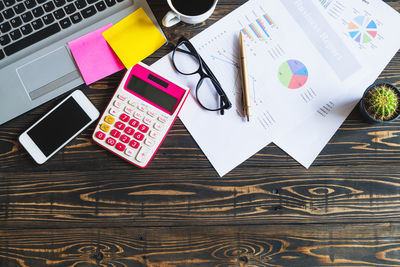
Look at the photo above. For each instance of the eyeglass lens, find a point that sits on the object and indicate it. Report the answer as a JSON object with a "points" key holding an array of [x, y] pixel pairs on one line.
{"points": [[185, 62]]}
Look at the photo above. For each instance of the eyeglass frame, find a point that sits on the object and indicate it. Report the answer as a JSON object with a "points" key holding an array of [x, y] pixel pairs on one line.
{"points": [[205, 72]]}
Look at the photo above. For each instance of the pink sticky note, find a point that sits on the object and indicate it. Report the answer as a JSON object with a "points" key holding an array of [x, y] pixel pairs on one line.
{"points": [[94, 57]]}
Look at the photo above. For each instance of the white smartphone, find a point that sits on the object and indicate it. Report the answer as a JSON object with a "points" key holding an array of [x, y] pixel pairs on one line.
{"points": [[59, 126]]}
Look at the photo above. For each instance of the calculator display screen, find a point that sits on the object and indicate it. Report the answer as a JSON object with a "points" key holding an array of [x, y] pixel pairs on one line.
{"points": [[59, 126], [152, 93]]}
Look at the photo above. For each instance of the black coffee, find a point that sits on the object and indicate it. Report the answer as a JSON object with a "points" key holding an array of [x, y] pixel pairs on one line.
{"points": [[192, 7]]}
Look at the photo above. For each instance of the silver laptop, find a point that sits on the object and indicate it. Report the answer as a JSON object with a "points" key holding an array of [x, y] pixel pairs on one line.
{"points": [[35, 62]]}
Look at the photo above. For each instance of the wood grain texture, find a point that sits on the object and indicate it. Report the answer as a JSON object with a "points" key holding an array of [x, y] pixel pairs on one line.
{"points": [[283, 245], [195, 197], [86, 207]]}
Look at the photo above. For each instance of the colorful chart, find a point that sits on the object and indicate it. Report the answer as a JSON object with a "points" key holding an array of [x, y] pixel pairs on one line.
{"points": [[293, 74], [325, 3], [362, 29], [258, 28]]}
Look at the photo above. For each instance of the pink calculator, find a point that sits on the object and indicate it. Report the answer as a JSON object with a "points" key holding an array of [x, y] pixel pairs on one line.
{"points": [[140, 114]]}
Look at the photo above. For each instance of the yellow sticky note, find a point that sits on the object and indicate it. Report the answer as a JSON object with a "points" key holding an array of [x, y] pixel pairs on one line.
{"points": [[134, 38]]}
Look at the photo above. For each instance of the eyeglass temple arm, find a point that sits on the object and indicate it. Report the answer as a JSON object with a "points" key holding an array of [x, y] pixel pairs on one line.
{"points": [[209, 72], [202, 61], [183, 51], [221, 92]]}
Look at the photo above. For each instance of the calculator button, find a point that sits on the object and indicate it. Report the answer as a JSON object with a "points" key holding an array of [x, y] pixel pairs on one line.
{"points": [[124, 138], [134, 123], [162, 119], [105, 127], [138, 115], [141, 108], [109, 119], [154, 134], [138, 136], [110, 141], [147, 120], [134, 144], [120, 147], [117, 104], [122, 97], [113, 112], [151, 113], [143, 128], [142, 155], [100, 135], [158, 126], [124, 117], [149, 142], [128, 110], [115, 133], [119, 125], [132, 103], [129, 131], [129, 152]]}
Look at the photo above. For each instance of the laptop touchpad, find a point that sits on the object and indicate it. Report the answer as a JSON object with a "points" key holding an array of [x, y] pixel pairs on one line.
{"points": [[48, 72]]}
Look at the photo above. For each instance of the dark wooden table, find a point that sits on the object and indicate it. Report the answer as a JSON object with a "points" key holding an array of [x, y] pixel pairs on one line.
{"points": [[86, 207]]}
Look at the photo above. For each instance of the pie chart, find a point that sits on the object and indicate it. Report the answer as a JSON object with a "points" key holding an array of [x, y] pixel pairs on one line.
{"points": [[293, 74], [362, 29]]}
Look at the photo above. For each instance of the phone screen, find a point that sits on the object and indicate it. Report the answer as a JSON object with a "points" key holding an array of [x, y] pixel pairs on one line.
{"points": [[59, 126]]}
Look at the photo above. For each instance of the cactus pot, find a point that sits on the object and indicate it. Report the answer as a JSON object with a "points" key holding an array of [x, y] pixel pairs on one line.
{"points": [[364, 105]]}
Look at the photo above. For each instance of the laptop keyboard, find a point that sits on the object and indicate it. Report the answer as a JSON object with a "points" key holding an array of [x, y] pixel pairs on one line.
{"points": [[26, 22]]}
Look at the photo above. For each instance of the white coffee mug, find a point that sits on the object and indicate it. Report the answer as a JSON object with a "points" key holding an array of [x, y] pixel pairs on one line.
{"points": [[173, 16]]}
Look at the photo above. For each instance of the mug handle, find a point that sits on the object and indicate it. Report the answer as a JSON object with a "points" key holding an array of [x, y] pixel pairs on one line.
{"points": [[170, 19]]}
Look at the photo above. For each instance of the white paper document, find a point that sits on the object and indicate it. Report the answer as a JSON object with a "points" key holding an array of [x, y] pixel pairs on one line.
{"points": [[370, 29], [227, 140], [306, 63]]}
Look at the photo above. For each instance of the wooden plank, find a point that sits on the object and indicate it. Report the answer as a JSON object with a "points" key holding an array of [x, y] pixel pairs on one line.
{"points": [[180, 197], [264, 245], [355, 143]]}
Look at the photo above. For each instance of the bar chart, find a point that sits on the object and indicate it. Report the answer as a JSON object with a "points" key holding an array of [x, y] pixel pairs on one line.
{"points": [[258, 29], [326, 3]]}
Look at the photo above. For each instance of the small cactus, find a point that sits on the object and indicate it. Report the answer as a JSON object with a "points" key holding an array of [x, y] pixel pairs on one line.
{"points": [[382, 102]]}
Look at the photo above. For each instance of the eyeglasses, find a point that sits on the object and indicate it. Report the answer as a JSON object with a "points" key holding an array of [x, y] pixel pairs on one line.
{"points": [[209, 92]]}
